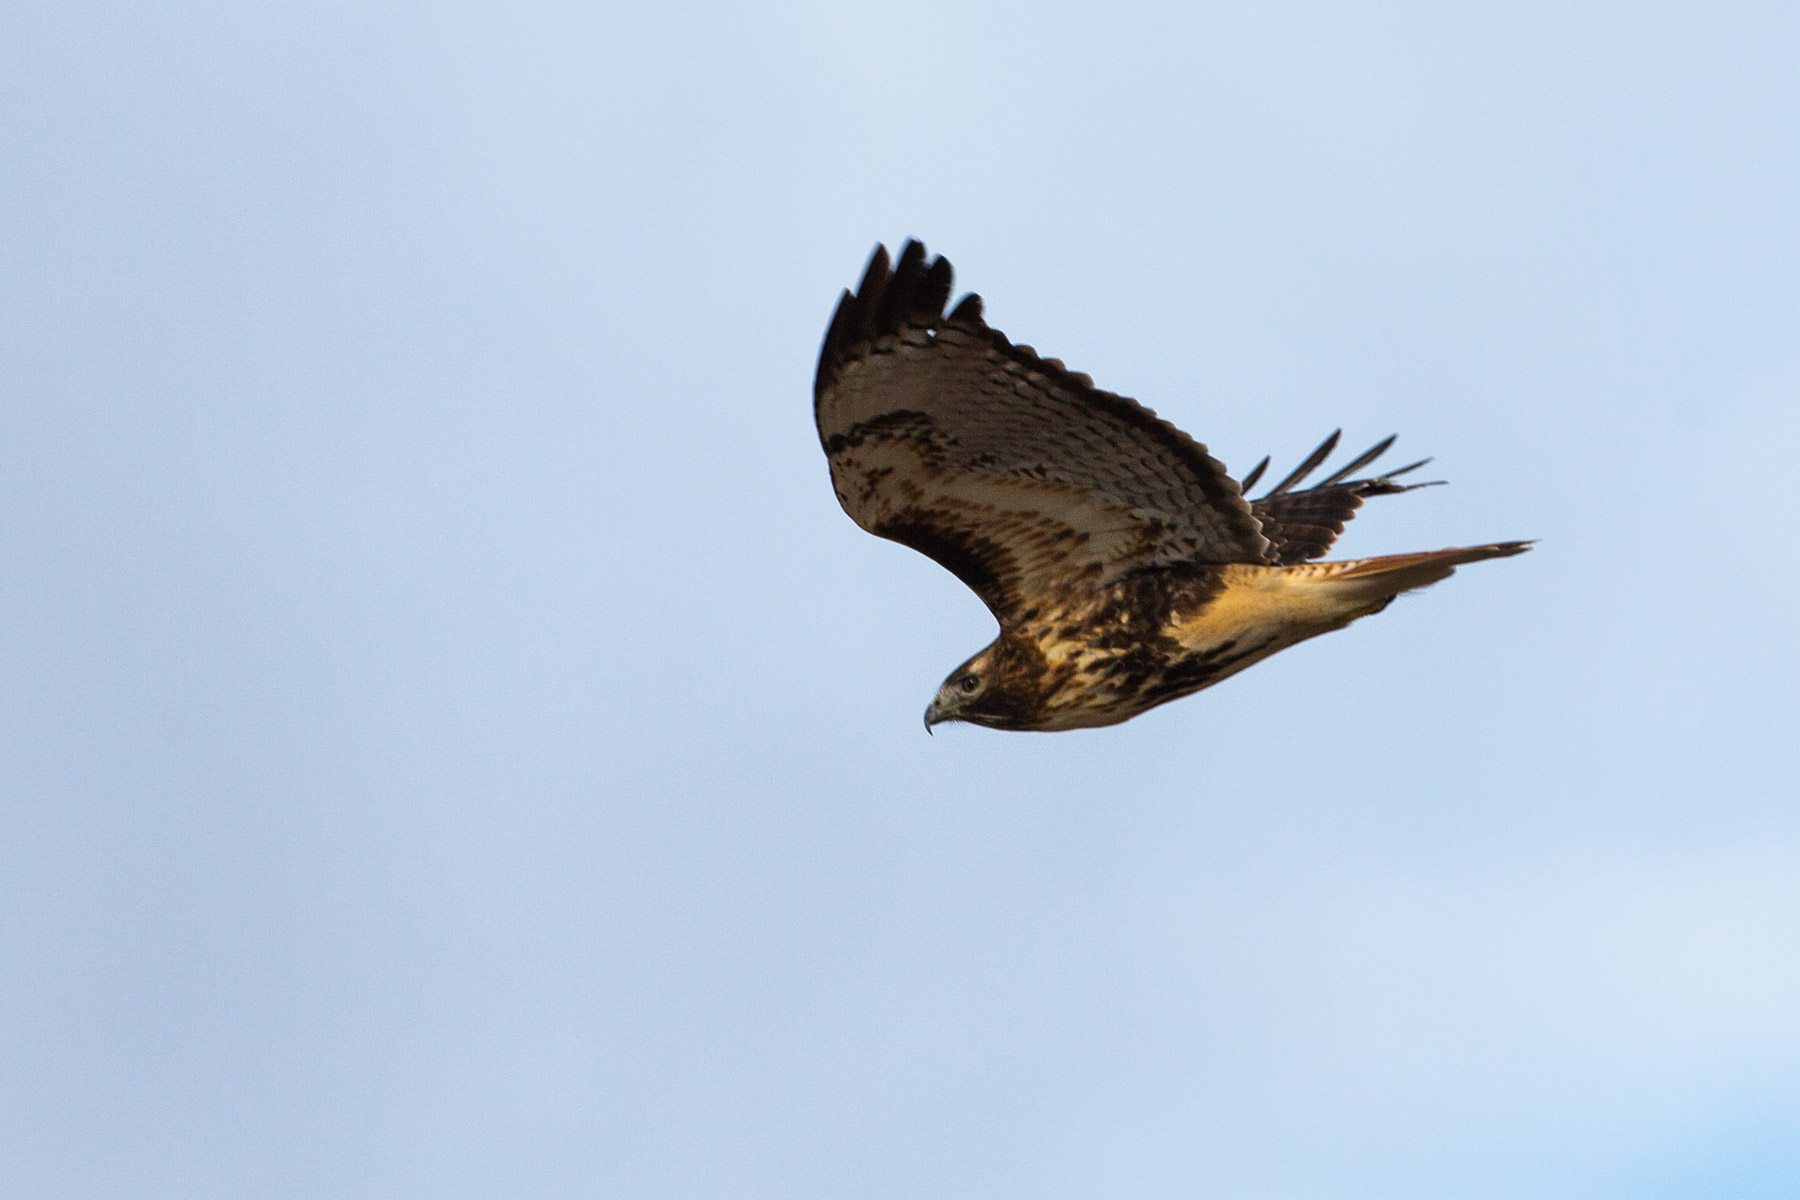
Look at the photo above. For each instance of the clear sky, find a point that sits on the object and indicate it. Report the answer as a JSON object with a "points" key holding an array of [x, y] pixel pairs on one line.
{"points": [[453, 745]]}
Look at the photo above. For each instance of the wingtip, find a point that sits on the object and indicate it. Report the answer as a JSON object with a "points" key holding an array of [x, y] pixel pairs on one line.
{"points": [[1359, 462], [876, 271], [1255, 474], [967, 311], [1309, 464]]}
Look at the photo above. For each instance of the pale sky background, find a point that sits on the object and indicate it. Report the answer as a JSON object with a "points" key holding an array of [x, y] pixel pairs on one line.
{"points": [[453, 745]]}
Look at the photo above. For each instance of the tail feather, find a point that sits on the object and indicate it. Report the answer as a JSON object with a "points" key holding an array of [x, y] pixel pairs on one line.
{"points": [[1387, 576], [1280, 606]]}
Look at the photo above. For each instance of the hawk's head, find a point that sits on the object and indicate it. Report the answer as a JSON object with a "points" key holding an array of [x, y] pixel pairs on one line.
{"points": [[1002, 687]]}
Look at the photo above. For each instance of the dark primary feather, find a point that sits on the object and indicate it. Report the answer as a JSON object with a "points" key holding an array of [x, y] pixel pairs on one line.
{"points": [[1009, 469], [1303, 525], [1308, 465]]}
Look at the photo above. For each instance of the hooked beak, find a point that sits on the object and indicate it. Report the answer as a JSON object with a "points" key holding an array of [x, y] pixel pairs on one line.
{"points": [[934, 713]]}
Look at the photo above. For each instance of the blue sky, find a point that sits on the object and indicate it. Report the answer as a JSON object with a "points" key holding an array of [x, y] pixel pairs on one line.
{"points": [[453, 744]]}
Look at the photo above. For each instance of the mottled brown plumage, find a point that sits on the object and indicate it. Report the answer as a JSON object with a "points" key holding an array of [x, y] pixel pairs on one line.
{"points": [[1124, 564]]}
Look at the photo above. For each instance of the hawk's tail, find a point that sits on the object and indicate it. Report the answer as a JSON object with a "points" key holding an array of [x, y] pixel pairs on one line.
{"points": [[1285, 605], [1365, 585]]}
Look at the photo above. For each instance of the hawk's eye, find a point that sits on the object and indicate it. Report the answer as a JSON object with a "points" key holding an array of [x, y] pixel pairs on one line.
{"points": [[970, 684]]}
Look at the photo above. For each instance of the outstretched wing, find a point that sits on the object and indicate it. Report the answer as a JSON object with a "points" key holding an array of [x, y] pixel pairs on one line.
{"points": [[1012, 471], [1303, 525]]}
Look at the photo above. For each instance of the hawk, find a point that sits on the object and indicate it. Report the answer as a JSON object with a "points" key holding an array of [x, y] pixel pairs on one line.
{"points": [[1125, 566]]}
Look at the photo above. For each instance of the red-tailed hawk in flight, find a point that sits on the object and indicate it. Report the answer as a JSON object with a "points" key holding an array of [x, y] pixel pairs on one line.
{"points": [[1125, 567]]}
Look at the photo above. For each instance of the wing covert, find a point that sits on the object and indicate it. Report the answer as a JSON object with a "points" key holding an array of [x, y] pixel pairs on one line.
{"points": [[1012, 471]]}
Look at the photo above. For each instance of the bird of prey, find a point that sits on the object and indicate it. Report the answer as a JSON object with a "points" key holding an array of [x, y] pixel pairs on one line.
{"points": [[1125, 566]]}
